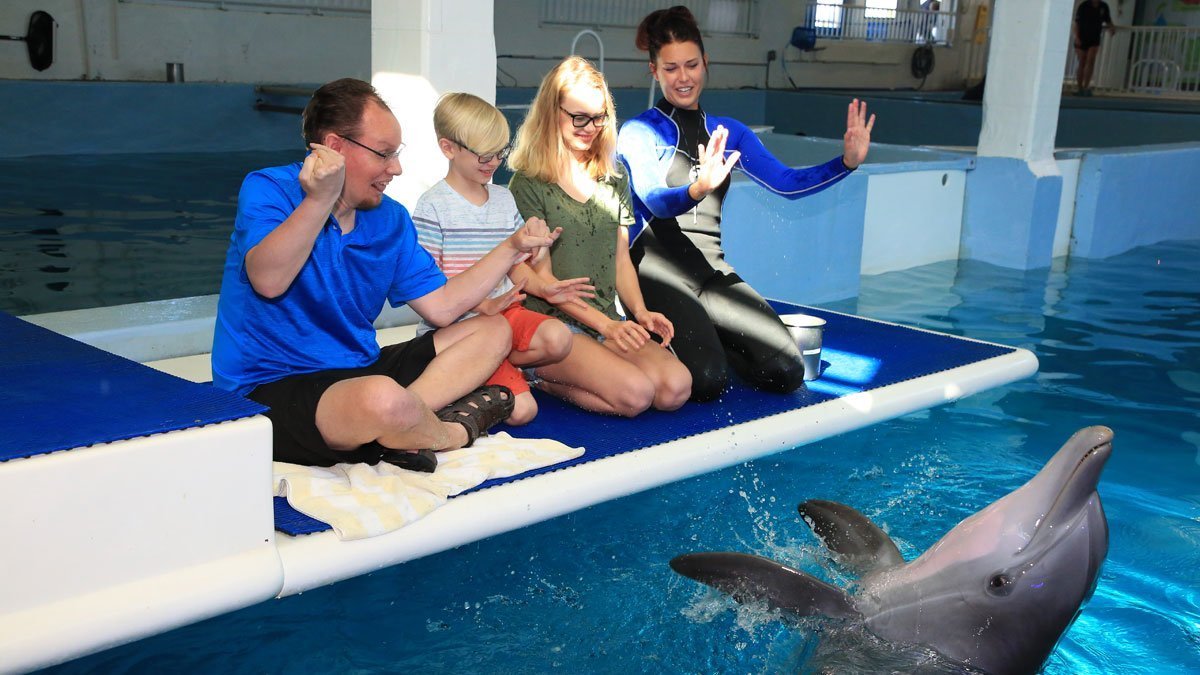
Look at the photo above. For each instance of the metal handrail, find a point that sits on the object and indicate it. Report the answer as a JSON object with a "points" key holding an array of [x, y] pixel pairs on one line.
{"points": [[599, 42]]}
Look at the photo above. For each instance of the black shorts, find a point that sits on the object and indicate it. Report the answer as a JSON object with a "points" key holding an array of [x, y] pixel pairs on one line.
{"points": [[293, 402]]}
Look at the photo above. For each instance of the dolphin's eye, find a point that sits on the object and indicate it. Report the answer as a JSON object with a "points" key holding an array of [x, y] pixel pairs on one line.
{"points": [[999, 584]]}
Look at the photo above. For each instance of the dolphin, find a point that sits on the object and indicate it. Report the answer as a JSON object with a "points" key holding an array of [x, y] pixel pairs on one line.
{"points": [[995, 593]]}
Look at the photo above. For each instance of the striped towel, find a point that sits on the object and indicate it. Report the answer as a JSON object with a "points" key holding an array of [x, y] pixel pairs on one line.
{"points": [[360, 500]]}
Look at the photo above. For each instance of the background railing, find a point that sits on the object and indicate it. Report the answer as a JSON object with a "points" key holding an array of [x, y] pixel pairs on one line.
{"points": [[1155, 60], [877, 24]]}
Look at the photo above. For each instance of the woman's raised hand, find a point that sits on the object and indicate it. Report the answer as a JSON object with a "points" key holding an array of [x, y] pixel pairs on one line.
{"points": [[714, 166], [858, 134]]}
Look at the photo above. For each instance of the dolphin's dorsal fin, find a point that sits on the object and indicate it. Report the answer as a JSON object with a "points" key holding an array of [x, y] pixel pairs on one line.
{"points": [[749, 577], [861, 545]]}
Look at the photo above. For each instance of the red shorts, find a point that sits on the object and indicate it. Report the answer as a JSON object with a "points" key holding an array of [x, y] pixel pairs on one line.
{"points": [[524, 323]]}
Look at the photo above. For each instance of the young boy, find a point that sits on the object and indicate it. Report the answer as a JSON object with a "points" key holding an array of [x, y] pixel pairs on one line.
{"points": [[464, 216]]}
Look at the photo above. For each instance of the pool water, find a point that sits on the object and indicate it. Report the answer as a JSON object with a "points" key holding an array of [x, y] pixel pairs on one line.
{"points": [[98, 230], [1119, 344]]}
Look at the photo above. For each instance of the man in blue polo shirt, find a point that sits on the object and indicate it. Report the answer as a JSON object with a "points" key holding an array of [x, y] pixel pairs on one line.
{"points": [[316, 249]]}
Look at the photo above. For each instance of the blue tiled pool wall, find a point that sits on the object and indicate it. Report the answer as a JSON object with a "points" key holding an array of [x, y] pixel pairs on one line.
{"points": [[1126, 197], [1130, 197], [92, 118], [53, 118]]}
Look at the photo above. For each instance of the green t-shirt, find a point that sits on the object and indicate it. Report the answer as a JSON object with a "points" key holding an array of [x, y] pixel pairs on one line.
{"points": [[588, 244]]}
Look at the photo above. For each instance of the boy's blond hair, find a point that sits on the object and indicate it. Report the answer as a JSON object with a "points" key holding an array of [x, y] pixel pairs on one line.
{"points": [[469, 120], [540, 152]]}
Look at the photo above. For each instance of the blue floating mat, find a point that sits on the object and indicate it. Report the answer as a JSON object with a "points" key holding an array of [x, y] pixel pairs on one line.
{"points": [[57, 393], [857, 355]]}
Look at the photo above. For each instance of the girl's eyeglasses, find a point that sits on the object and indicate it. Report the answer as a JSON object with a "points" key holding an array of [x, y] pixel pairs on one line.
{"points": [[579, 120]]}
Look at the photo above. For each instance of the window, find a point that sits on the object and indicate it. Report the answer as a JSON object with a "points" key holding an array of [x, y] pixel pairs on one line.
{"points": [[825, 16], [882, 21], [881, 9], [716, 17]]}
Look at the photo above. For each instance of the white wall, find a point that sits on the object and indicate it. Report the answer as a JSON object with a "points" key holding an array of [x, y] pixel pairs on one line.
{"points": [[912, 218], [111, 40], [1069, 168]]}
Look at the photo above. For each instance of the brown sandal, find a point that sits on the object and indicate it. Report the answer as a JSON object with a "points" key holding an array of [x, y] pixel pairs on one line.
{"points": [[480, 410]]}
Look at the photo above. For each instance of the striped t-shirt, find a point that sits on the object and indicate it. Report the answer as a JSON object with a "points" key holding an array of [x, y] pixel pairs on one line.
{"points": [[457, 233]]}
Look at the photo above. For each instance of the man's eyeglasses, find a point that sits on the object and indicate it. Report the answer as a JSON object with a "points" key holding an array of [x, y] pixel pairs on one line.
{"points": [[580, 120], [385, 156], [484, 159]]}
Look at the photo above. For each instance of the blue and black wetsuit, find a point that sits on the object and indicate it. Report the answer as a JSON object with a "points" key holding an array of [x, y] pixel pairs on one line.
{"points": [[719, 319]]}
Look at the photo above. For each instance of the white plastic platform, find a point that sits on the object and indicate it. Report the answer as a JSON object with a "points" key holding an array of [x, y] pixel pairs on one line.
{"points": [[110, 544]]}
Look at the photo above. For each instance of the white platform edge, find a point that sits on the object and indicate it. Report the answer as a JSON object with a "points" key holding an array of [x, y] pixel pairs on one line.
{"points": [[82, 625], [115, 542], [315, 560]]}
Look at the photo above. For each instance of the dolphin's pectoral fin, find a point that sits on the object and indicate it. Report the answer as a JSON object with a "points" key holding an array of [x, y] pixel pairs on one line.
{"points": [[863, 547], [749, 577]]}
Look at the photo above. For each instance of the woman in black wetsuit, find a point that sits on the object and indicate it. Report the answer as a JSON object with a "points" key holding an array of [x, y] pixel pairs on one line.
{"points": [[679, 159]]}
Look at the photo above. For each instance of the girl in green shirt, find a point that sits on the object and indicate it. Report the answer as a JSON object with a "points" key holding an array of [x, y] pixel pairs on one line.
{"points": [[567, 174]]}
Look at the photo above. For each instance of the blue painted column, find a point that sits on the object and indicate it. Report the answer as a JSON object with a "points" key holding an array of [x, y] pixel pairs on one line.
{"points": [[1012, 196]]}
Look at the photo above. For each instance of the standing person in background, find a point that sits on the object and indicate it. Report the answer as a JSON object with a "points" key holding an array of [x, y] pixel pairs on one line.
{"points": [[679, 160], [567, 173], [1090, 18], [464, 216]]}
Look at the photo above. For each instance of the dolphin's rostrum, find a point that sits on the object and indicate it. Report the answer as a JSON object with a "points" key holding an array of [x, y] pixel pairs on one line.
{"points": [[995, 593]]}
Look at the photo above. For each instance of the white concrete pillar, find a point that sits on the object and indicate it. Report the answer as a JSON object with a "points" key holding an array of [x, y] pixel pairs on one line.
{"points": [[421, 49], [1026, 59], [1013, 195]]}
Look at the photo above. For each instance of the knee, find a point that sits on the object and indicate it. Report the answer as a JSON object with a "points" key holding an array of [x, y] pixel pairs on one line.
{"points": [[782, 373], [634, 397], [708, 382], [493, 337], [525, 408], [391, 405], [498, 331], [554, 340], [674, 390]]}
